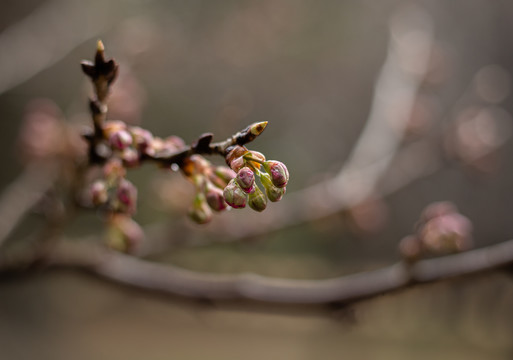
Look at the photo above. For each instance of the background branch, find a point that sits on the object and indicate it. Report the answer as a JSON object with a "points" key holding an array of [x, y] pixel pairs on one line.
{"points": [[173, 280]]}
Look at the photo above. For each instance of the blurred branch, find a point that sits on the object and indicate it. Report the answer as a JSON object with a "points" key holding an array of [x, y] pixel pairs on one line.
{"points": [[172, 280], [23, 194], [38, 41], [400, 78]]}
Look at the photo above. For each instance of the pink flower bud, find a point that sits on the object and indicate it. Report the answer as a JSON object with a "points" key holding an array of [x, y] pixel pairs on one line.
{"points": [[130, 157], [234, 152], [246, 179], [114, 170], [142, 137], [200, 212], [127, 196], [98, 192], [120, 139], [278, 171], [234, 195], [257, 200], [225, 173], [447, 233], [124, 234], [112, 126], [237, 163], [214, 196]]}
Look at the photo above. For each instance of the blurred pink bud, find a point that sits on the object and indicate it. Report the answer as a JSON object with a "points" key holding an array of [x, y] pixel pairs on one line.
{"points": [[246, 179], [98, 192], [437, 209], [447, 233], [130, 157], [257, 200], [234, 195], [112, 126], [114, 170], [214, 196], [142, 137], [200, 212], [278, 171], [225, 173], [410, 248], [120, 139], [124, 234], [127, 196]]}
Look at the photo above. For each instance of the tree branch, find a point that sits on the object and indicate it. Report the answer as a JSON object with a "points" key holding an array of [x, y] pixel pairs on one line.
{"points": [[141, 274]]}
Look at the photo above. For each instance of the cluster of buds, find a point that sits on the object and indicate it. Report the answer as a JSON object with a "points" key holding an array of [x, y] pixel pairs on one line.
{"points": [[209, 181], [441, 230], [133, 143], [113, 192], [243, 189]]}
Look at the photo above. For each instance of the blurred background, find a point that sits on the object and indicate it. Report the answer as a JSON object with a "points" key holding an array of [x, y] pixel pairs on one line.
{"points": [[310, 69]]}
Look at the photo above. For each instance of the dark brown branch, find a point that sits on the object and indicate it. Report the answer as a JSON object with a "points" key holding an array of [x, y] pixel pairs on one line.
{"points": [[169, 279]]}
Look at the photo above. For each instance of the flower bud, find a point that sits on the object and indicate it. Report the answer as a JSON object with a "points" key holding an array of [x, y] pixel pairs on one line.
{"points": [[237, 163], [120, 139], [257, 200], [447, 233], [124, 234], [130, 157], [234, 195], [273, 193], [98, 192], [113, 170], [112, 126], [127, 196], [246, 179], [234, 152], [278, 171], [214, 196], [142, 137], [200, 212], [225, 173]]}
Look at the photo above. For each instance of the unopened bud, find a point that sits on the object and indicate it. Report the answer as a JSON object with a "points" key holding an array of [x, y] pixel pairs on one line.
{"points": [[234, 152], [234, 195], [214, 196], [246, 179], [257, 128], [98, 192], [127, 196], [124, 234], [437, 209], [447, 233], [410, 248], [112, 126], [273, 193], [257, 200], [225, 173], [278, 172], [237, 163], [200, 212], [114, 170], [130, 157], [142, 137], [120, 139]]}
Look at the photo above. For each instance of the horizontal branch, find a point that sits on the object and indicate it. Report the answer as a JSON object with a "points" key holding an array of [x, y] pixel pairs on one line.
{"points": [[141, 274]]}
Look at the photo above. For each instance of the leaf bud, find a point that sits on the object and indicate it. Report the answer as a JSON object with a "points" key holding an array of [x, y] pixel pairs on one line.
{"points": [[278, 172], [234, 195], [246, 179], [257, 200]]}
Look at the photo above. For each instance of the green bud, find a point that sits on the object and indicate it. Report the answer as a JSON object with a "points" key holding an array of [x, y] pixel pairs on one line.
{"points": [[257, 200], [200, 212], [234, 195], [273, 193]]}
